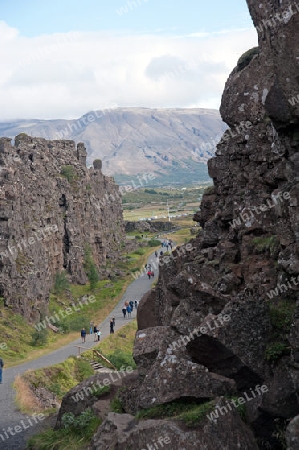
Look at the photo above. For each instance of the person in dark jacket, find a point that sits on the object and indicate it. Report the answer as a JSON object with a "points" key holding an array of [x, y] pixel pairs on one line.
{"points": [[83, 335], [129, 310], [1, 369], [111, 326], [124, 310], [95, 330]]}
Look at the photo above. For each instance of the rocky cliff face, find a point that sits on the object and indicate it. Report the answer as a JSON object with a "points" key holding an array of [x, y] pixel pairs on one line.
{"points": [[224, 319], [52, 209]]}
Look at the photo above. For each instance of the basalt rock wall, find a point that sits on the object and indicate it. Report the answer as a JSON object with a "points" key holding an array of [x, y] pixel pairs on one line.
{"points": [[226, 314], [52, 210]]}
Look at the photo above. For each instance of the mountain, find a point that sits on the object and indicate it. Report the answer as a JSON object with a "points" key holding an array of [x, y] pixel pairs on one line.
{"points": [[173, 143]]}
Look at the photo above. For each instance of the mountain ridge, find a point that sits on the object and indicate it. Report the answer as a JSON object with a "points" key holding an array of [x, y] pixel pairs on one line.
{"points": [[130, 140]]}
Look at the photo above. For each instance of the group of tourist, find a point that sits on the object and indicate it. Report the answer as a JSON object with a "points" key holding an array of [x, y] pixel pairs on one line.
{"points": [[150, 272], [128, 308], [93, 329], [166, 244]]}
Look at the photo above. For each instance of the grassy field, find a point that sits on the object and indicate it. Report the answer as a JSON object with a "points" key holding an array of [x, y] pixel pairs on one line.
{"points": [[149, 203]]}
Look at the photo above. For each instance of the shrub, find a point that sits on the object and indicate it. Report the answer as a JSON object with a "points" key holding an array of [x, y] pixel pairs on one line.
{"points": [[281, 316], [274, 351], [77, 423], [39, 338], [120, 359], [154, 243], [269, 243], [138, 237], [209, 190], [116, 406], [61, 283], [139, 251], [150, 191], [97, 164], [246, 58], [68, 172]]}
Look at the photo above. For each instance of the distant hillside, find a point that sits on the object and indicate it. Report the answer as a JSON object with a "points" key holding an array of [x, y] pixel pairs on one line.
{"points": [[173, 143]]}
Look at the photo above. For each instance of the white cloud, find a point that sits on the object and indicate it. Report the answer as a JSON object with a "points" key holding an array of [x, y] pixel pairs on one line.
{"points": [[66, 75]]}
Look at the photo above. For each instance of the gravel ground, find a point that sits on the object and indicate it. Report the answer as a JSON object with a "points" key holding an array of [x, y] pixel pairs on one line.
{"points": [[9, 414]]}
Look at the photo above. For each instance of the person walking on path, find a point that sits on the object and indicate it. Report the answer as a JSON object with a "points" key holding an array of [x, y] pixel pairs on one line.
{"points": [[95, 330], [90, 327], [99, 335], [124, 310], [83, 335], [156, 254], [111, 326], [136, 304], [1, 369], [149, 273], [129, 310]]}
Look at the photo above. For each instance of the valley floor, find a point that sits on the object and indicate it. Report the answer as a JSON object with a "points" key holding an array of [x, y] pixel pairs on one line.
{"points": [[10, 417]]}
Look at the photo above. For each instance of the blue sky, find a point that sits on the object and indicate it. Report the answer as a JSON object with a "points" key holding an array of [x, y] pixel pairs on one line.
{"points": [[36, 17], [64, 58]]}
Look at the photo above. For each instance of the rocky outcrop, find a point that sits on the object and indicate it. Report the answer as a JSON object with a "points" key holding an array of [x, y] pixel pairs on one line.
{"points": [[225, 317], [52, 209], [145, 226], [123, 431]]}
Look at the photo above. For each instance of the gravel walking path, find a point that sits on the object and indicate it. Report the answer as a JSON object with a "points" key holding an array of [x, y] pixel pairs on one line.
{"points": [[15, 438]]}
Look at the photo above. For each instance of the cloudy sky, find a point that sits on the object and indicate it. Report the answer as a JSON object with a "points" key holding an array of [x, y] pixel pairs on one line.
{"points": [[62, 58]]}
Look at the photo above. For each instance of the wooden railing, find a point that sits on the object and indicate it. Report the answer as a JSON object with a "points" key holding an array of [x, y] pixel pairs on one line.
{"points": [[99, 355]]}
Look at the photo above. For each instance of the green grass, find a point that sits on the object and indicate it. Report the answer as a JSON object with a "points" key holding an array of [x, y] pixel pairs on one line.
{"points": [[191, 413], [263, 244], [281, 318], [75, 435], [275, 350], [69, 173], [59, 378]]}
